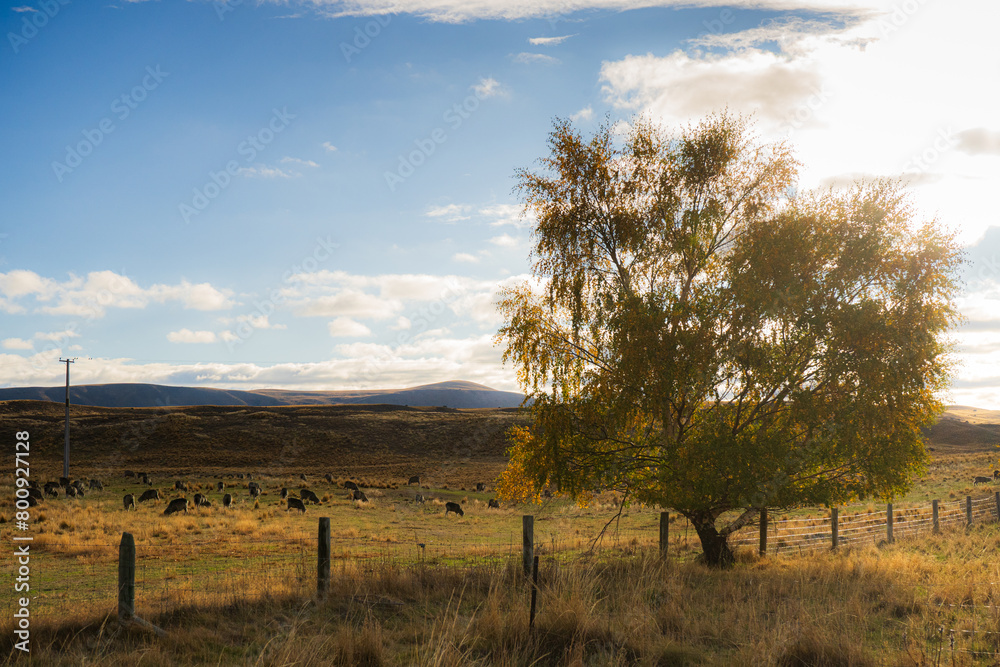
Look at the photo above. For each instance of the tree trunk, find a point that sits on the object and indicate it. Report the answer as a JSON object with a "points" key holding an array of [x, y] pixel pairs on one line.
{"points": [[714, 545]]}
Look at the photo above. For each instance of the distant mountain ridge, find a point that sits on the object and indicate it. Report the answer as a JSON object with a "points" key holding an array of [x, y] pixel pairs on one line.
{"points": [[453, 394]]}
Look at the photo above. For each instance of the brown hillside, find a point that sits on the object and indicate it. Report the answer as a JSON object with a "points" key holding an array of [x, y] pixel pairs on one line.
{"points": [[391, 442]]}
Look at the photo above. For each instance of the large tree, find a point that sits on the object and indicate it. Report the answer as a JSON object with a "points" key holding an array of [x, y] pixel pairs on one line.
{"points": [[700, 337]]}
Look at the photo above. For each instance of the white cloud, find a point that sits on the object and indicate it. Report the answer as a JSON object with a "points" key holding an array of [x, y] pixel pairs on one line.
{"points": [[525, 58], [188, 336], [458, 11], [24, 8], [328, 146], [298, 161], [259, 322], [505, 241], [197, 297], [57, 336], [450, 212], [508, 214], [348, 303], [345, 327], [263, 171], [90, 297], [549, 41], [584, 114], [17, 344], [465, 257], [488, 87]]}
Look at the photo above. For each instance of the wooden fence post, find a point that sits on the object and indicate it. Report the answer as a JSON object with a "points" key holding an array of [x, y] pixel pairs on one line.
{"points": [[126, 578], [528, 539], [665, 529], [834, 527], [934, 512], [763, 531], [998, 505], [968, 510], [888, 522], [323, 558]]}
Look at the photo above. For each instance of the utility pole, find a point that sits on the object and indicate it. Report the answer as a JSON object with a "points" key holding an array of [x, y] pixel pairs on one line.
{"points": [[66, 447]]}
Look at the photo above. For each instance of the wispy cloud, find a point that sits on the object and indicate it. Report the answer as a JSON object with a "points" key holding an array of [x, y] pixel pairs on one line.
{"points": [[298, 161], [465, 257], [188, 336], [345, 327], [549, 41], [488, 87], [328, 146], [263, 171], [526, 58]]}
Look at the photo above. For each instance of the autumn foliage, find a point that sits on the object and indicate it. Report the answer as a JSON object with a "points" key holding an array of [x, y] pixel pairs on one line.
{"points": [[699, 337]]}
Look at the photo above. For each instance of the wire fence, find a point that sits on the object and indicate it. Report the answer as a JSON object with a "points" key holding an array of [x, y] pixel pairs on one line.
{"points": [[80, 580]]}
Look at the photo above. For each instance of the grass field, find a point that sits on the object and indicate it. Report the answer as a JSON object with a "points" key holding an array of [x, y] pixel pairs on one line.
{"points": [[412, 585]]}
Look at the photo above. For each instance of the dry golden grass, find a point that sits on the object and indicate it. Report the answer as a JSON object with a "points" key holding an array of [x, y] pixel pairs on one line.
{"points": [[863, 606]]}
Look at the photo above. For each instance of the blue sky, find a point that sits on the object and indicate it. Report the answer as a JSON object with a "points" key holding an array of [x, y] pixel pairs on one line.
{"points": [[320, 194]]}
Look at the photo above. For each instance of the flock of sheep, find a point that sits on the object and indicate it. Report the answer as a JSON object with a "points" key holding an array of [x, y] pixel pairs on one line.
{"points": [[77, 489]]}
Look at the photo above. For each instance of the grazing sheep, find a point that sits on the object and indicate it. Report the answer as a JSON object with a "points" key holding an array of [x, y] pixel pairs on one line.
{"points": [[205, 502], [308, 495], [494, 503], [328, 477], [360, 495], [176, 505], [239, 476], [64, 481], [302, 476], [71, 491], [996, 474], [221, 486], [180, 486], [198, 498], [414, 480], [296, 504], [351, 485], [419, 498], [32, 502], [982, 480], [129, 473], [129, 501], [284, 493], [96, 484], [35, 493], [254, 490], [453, 507], [227, 500], [144, 478], [151, 494], [480, 487], [52, 490]]}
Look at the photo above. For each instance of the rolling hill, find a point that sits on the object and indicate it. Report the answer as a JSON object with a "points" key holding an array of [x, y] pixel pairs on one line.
{"points": [[454, 394]]}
